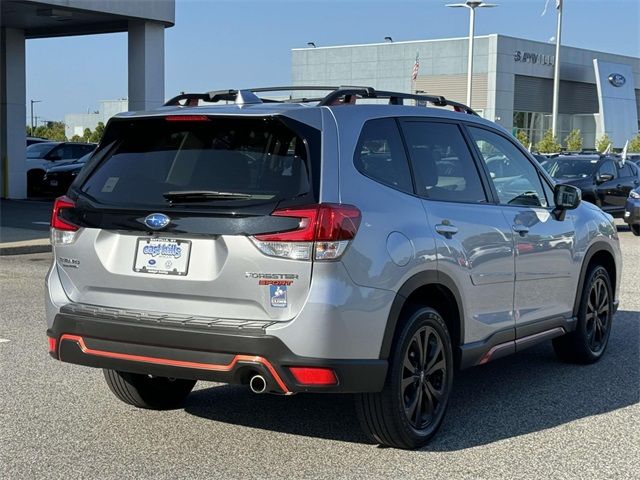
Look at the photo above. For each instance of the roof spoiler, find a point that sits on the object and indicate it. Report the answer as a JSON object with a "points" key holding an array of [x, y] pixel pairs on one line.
{"points": [[344, 95]]}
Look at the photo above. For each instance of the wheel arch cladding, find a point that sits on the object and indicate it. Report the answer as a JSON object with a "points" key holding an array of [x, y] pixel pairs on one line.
{"points": [[432, 289], [600, 253]]}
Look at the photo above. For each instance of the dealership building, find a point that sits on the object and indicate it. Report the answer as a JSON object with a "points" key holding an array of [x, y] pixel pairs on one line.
{"points": [[512, 80]]}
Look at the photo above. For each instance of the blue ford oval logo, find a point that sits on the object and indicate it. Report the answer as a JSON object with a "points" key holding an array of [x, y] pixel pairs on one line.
{"points": [[617, 80], [157, 221]]}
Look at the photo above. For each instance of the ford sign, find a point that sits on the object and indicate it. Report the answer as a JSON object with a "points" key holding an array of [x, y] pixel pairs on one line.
{"points": [[617, 80], [157, 221]]}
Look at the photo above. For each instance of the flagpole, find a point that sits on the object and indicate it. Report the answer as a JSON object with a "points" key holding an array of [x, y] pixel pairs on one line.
{"points": [[472, 24], [556, 73]]}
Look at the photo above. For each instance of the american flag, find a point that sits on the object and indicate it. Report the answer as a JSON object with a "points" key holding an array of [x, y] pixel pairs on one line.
{"points": [[416, 67]]}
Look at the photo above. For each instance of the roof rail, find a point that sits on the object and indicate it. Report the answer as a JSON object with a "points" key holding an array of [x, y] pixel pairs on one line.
{"points": [[336, 96]]}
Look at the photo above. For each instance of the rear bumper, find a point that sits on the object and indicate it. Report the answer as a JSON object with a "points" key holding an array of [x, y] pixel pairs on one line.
{"points": [[228, 355]]}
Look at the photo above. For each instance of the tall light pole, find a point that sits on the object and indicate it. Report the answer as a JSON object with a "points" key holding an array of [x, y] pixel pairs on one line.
{"points": [[471, 5], [556, 73], [32, 102]]}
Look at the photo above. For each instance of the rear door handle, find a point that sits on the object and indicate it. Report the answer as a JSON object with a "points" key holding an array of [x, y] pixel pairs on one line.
{"points": [[446, 229], [521, 229]]}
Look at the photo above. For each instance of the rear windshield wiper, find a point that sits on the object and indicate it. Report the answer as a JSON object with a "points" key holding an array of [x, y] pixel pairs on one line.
{"points": [[184, 196]]}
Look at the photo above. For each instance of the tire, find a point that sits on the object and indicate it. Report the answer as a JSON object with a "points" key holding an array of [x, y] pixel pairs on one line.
{"points": [[636, 230], [588, 342], [144, 391], [387, 417]]}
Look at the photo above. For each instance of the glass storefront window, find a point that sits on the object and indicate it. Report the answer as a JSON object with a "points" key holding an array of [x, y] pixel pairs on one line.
{"points": [[535, 124]]}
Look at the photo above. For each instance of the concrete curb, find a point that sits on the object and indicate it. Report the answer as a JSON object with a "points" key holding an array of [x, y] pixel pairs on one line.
{"points": [[40, 245]]}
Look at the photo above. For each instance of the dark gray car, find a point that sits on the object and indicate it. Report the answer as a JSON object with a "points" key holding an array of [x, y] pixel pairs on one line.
{"points": [[632, 211], [320, 244]]}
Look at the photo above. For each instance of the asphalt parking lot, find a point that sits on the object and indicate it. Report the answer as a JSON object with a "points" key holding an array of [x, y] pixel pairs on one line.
{"points": [[525, 416]]}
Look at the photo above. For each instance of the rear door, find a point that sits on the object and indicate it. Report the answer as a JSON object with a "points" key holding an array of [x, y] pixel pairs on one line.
{"points": [[607, 191], [169, 206], [627, 181], [473, 240]]}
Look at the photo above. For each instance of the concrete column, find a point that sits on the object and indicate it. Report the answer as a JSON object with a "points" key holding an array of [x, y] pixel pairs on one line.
{"points": [[13, 167], [146, 65]]}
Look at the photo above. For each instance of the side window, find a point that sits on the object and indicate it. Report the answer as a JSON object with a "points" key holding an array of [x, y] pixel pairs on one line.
{"points": [[608, 168], [380, 155], [625, 170], [81, 150], [442, 164], [514, 177]]}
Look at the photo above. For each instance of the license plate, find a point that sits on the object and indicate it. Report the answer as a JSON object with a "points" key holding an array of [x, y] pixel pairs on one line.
{"points": [[164, 256], [53, 183]]}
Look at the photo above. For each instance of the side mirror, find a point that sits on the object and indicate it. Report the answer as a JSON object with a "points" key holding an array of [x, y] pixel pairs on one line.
{"points": [[603, 177], [566, 197]]}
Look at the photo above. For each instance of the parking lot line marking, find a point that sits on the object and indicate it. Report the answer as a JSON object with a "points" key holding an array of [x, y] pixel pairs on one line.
{"points": [[4, 340]]}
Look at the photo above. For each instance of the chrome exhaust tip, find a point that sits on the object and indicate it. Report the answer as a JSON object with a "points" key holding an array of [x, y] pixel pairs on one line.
{"points": [[258, 384]]}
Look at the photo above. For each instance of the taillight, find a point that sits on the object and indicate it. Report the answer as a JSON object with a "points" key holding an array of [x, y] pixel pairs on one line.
{"points": [[52, 345], [325, 231], [314, 376], [62, 231]]}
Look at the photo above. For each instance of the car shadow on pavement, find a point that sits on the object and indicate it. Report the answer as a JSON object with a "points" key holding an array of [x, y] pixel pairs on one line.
{"points": [[525, 393]]}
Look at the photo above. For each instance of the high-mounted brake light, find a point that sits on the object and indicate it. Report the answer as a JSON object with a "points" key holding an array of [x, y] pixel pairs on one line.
{"points": [[325, 229], [186, 118], [314, 376], [62, 231]]}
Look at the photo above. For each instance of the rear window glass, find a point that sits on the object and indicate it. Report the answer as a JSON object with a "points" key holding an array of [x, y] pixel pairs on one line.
{"points": [[569, 168], [260, 158]]}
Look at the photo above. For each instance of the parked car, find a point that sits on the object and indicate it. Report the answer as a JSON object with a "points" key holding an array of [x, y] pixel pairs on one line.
{"points": [[58, 178], [632, 211], [322, 245], [633, 157], [32, 140], [41, 156], [604, 180]]}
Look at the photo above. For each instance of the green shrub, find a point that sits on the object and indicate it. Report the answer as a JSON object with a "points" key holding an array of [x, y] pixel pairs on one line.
{"points": [[634, 144], [603, 142], [574, 141], [523, 138], [548, 144]]}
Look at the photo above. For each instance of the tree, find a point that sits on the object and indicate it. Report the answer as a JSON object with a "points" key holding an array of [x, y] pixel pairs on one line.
{"points": [[523, 138], [76, 138], [603, 142], [96, 136], [51, 131], [574, 141], [86, 135], [548, 144], [634, 144]]}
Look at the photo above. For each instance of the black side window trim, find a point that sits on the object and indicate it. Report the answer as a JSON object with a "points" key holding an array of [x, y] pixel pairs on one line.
{"points": [[541, 175]]}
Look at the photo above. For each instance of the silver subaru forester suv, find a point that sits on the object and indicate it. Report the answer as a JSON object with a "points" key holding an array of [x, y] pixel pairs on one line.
{"points": [[335, 242]]}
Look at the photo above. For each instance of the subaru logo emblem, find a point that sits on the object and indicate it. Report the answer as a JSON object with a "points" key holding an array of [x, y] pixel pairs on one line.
{"points": [[617, 80], [157, 221]]}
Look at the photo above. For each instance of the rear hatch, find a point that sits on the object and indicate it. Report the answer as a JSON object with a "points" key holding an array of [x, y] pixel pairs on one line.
{"points": [[170, 211]]}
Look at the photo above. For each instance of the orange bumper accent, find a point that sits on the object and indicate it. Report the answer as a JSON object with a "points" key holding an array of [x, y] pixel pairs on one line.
{"points": [[177, 363]]}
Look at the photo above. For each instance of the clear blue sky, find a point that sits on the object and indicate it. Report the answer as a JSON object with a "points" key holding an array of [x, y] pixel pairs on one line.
{"points": [[227, 44]]}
